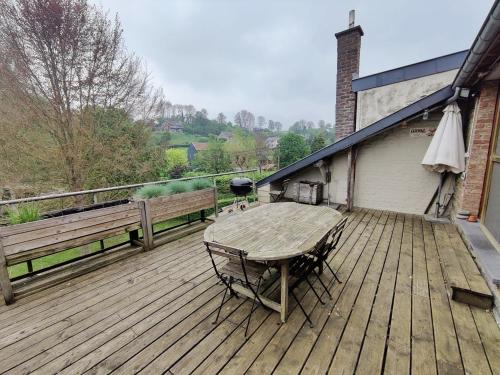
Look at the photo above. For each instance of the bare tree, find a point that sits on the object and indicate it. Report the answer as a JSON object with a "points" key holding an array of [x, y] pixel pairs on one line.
{"points": [[271, 125], [61, 60], [245, 119], [278, 126], [261, 121], [221, 118]]}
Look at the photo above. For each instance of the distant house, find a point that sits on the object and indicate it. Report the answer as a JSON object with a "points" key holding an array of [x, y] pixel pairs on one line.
{"points": [[272, 142], [384, 125], [194, 148], [171, 126], [225, 136]]}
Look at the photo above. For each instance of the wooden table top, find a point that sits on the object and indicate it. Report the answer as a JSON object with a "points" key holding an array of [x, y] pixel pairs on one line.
{"points": [[274, 231]]}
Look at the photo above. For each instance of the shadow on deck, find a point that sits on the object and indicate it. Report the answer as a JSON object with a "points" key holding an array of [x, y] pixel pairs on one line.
{"points": [[153, 313]]}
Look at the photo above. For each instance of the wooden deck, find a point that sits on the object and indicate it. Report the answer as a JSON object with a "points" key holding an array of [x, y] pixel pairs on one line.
{"points": [[153, 313]]}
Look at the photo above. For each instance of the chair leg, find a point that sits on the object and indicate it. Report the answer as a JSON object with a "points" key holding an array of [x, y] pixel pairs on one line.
{"points": [[303, 311], [333, 272], [220, 307], [323, 284], [314, 290], [250, 316]]}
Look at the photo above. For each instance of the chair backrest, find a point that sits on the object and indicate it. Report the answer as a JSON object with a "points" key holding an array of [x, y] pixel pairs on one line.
{"points": [[326, 246], [235, 255], [336, 232]]}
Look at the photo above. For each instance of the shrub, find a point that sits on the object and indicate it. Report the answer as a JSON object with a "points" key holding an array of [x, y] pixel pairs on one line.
{"points": [[177, 187], [151, 191], [24, 214], [200, 184]]}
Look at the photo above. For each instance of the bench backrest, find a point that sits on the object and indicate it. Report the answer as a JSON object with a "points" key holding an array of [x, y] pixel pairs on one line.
{"points": [[27, 241]]}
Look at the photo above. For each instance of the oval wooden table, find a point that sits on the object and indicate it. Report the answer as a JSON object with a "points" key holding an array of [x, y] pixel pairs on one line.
{"points": [[274, 232]]}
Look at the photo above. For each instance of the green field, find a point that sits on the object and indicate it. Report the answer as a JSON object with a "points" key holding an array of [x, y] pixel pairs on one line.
{"points": [[184, 139]]}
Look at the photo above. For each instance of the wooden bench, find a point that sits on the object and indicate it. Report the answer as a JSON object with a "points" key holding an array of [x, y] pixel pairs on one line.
{"points": [[26, 242]]}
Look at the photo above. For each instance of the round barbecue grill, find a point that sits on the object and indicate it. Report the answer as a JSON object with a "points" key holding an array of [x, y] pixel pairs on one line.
{"points": [[241, 186]]}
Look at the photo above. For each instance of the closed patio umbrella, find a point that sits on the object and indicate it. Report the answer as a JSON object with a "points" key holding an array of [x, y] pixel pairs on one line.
{"points": [[446, 153]]}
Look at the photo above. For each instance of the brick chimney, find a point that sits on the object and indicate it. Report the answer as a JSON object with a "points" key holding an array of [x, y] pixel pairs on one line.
{"points": [[348, 53]]}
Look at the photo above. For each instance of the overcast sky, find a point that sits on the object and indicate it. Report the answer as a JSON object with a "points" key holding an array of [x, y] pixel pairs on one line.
{"points": [[277, 58]]}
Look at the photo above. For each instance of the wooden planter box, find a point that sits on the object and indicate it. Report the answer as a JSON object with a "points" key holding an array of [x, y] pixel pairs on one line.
{"points": [[156, 210], [172, 206]]}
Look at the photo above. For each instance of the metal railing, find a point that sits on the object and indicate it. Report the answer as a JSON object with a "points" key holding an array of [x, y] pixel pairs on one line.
{"points": [[94, 192]]}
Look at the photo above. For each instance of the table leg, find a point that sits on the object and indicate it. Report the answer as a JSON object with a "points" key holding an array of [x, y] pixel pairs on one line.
{"points": [[284, 290]]}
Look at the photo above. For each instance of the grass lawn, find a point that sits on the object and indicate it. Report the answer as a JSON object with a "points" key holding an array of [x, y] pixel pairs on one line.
{"points": [[185, 139]]}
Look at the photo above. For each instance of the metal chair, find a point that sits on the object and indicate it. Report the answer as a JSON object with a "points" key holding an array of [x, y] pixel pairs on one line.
{"points": [[278, 195], [238, 269], [305, 265], [323, 251]]}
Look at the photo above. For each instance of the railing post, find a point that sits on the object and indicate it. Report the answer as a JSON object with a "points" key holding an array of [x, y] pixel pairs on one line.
{"points": [[7, 292], [216, 198], [94, 198], [146, 224]]}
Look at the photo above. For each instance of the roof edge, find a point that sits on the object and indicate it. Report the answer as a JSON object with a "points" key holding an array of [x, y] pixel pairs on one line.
{"points": [[416, 70], [372, 130]]}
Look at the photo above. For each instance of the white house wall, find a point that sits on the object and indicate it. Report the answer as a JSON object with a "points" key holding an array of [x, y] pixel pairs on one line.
{"points": [[389, 175], [379, 102]]}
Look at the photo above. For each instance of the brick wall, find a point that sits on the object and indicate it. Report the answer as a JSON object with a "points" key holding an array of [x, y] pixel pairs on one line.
{"points": [[470, 189], [348, 55]]}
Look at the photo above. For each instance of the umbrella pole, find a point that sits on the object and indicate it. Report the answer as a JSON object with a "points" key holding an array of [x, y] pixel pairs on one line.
{"points": [[438, 204]]}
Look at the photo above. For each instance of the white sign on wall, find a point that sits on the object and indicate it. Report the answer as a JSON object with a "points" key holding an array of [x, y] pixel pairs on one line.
{"points": [[422, 132]]}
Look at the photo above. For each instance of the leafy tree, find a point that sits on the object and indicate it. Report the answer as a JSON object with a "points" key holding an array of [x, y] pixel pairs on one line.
{"points": [[318, 142], [215, 159], [122, 152], [241, 147], [163, 138], [176, 162], [292, 147]]}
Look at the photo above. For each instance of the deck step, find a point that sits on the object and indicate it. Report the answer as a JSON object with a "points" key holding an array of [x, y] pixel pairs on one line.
{"points": [[43, 280], [464, 280]]}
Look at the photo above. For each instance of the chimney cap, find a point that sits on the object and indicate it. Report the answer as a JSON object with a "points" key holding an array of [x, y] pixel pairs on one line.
{"points": [[349, 31]]}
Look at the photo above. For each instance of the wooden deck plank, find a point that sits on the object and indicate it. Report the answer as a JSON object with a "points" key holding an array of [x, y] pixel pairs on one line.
{"points": [[371, 358], [471, 271], [62, 313], [161, 321], [332, 321], [346, 356], [397, 359], [448, 358], [168, 289], [47, 299], [423, 358]]}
